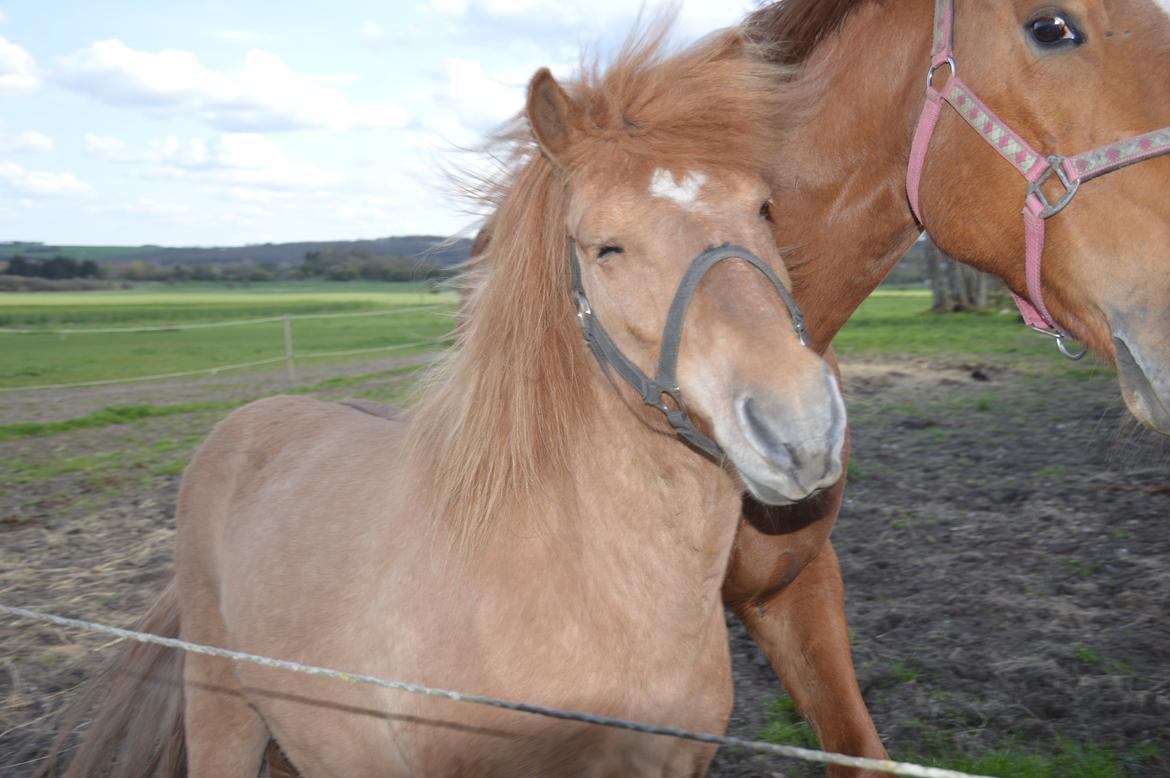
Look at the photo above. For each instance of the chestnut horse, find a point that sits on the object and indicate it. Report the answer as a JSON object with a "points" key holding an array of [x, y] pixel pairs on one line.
{"points": [[534, 531], [1061, 78]]}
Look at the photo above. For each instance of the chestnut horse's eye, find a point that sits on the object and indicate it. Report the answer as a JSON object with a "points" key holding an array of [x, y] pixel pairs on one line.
{"points": [[1052, 28], [605, 251], [766, 211]]}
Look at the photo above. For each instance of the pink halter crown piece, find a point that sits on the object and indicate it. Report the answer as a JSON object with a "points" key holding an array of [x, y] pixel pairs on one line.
{"points": [[1034, 166]]}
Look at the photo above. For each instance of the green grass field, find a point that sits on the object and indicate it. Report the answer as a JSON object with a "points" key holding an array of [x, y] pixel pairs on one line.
{"points": [[888, 323], [49, 358]]}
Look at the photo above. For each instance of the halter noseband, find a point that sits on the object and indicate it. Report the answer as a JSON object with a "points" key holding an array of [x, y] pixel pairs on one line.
{"points": [[665, 385], [1035, 167]]}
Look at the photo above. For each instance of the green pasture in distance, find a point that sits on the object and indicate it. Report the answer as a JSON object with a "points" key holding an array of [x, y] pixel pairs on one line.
{"points": [[900, 322], [888, 323], [177, 303], [28, 360]]}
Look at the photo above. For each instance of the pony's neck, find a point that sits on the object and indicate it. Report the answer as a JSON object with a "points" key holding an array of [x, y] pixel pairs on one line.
{"points": [[843, 213], [646, 528]]}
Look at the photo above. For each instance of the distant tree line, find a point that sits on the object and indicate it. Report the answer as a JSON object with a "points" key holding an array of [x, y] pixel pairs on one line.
{"points": [[326, 264], [350, 265], [58, 267]]}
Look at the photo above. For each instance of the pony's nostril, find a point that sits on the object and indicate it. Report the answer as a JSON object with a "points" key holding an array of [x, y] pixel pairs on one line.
{"points": [[761, 432]]}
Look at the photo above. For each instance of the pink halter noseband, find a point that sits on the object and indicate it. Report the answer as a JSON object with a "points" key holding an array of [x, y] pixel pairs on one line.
{"points": [[1034, 166]]}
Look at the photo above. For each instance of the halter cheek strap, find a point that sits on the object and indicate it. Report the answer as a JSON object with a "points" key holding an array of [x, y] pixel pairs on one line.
{"points": [[1036, 168], [665, 385]]}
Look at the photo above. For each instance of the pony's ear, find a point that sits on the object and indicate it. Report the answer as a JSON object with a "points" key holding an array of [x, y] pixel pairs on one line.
{"points": [[731, 44], [553, 115]]}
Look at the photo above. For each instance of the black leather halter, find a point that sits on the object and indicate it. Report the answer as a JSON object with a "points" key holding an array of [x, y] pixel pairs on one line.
{"points": [[655, 391]]}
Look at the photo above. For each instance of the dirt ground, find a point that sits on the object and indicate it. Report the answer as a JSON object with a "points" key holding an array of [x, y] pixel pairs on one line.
{"points": [[1003, 544]]}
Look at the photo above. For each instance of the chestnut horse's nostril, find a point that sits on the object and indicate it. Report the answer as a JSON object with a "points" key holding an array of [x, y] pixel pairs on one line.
{"points": [[761, 431]]}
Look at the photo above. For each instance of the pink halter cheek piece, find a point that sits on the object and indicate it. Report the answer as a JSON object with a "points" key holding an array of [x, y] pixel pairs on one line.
{"points": [[1034, 166]]}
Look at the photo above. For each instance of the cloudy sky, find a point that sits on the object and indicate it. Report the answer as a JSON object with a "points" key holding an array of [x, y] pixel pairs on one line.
{"points": [[216, 122]]}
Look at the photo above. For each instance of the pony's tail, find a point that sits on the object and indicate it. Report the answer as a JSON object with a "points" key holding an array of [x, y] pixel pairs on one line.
{"points": [[137, 710]]}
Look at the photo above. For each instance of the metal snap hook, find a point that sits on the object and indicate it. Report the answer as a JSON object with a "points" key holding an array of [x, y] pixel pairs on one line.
{"points": [[1074, 357], [1061, 342]]}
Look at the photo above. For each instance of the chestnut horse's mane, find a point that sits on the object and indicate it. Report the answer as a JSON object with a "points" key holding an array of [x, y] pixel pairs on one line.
{"points": [[496, 419], [794, 28]]}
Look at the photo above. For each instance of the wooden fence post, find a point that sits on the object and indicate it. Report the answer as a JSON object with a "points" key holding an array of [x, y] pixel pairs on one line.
{"points": [[288, 350]]}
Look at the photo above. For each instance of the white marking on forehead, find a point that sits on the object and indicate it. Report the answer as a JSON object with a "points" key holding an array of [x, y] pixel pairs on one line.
{"points": [[1164, 5], [686, 194]]}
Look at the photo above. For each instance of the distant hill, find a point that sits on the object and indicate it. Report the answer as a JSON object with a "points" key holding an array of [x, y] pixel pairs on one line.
{"points": [[426, 247]]}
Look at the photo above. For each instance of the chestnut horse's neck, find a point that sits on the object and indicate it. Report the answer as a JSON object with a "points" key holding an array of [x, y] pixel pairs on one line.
{"points": [[843, 215]]}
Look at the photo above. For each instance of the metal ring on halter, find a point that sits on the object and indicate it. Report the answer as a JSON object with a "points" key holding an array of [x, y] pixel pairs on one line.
{"points": [[930, 71], [1061, 339], [1055, 165]]}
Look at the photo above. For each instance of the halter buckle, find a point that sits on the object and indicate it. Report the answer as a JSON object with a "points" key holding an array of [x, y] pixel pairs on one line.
{"points": [[1061, 343], [802, 333], [1055, 165], [583, 308], [930, 71], [675, 394]]}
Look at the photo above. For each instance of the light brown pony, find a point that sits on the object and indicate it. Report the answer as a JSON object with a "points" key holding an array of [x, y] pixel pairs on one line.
{"points": [[860, 73], [532, 532]]}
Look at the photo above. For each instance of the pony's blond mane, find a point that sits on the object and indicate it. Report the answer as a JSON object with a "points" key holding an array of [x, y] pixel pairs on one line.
{"points": [[496, 420]]}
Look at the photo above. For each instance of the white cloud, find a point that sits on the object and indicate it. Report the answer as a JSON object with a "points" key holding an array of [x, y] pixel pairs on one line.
{"points": [[249, 37], [103, 146], [40, 183], [373, 33], [236, 159], [570, 19], [18, 70], [148, 206], [482, 99], [24, 141], [264, 95]]}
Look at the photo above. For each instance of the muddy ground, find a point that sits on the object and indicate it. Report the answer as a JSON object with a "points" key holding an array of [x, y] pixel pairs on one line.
{"points": [[1005, 544]]}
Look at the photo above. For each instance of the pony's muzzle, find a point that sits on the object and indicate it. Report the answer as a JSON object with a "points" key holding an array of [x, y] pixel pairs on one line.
{"points": [[793, 443]]}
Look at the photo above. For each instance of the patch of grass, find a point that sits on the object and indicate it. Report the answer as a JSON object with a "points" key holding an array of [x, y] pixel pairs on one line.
{"points": [[171, 468], [125, 414], [1114, 666], [1062, 759], [906, 521], [854, 471], [902, 671], [1079, 566], [786, 726], [983, 403], [48, 661], [1085, 655], [115, 414]]}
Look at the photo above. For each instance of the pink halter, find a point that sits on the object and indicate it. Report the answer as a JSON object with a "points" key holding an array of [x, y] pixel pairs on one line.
{"points": [[1035, 167]]}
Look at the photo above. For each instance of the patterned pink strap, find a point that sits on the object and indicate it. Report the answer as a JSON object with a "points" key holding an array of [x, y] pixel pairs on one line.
{"points": [[1110, 157], [944, 25], [994, 130]]}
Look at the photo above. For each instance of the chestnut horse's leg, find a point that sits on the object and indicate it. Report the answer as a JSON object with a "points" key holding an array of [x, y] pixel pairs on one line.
{"points": [[801, 628]]}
